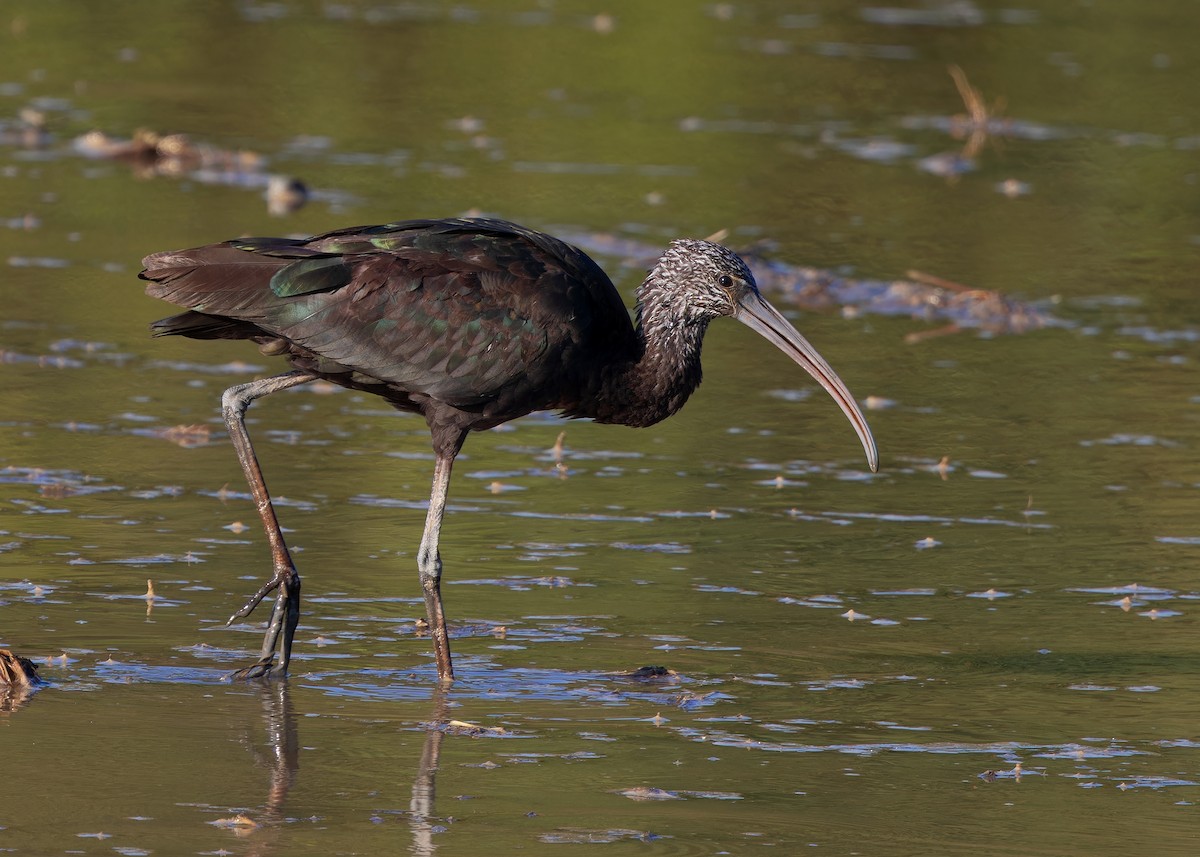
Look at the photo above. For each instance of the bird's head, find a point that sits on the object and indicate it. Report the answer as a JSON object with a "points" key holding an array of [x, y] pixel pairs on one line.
{"points": [[701, 280], [697, 281]]}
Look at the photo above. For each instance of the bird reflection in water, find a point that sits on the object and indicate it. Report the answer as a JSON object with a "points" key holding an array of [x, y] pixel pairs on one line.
{"points": [[18, 680], [281, 756]]}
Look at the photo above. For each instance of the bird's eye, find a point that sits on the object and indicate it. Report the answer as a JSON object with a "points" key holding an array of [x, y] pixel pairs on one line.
{"points": [[725, 281]]}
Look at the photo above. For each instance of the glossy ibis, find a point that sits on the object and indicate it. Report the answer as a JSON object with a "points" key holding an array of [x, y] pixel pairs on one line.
{"points": [[470, 323]]}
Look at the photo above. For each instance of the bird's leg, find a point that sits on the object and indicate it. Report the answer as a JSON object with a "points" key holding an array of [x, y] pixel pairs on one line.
{"points": [[285, 614], [429, 561]]}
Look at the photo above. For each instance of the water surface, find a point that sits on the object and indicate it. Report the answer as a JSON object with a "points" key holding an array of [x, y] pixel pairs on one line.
{"points": [[988, 646]]}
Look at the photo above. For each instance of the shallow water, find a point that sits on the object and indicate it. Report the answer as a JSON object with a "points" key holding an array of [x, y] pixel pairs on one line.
{"points": [[987, 646]]}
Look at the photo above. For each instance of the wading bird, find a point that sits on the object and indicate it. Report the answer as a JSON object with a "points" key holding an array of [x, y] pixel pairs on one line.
{"points": [[470, 323]]}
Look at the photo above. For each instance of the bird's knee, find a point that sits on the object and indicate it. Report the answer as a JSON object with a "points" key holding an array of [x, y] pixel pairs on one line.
{"points": [[429, 564], [233, 403]]}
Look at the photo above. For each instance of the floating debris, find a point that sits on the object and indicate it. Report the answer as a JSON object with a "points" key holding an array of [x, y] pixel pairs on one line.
{"points": [[17, 671], [237, 821], [919, 295], [1157, 613], [151, 154], [1013, 774], [648, 673], [1013, 188], [989, 594], [647, 793], [471, 730], [285, 194], [188, 436], [18, 680]]}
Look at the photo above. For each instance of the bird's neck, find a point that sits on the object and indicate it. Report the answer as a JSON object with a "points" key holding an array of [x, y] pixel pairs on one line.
{"points": [[665, 371]]}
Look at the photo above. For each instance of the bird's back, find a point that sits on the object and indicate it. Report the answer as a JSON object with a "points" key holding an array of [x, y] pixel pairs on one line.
{"points": [[483, 316]]}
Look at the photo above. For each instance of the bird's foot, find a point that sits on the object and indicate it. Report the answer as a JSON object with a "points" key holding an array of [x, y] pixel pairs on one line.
{"points": [[281, 627], [264, 667]]}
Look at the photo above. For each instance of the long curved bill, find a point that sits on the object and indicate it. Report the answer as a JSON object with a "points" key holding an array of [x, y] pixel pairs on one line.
{"points": [[754, 312]]}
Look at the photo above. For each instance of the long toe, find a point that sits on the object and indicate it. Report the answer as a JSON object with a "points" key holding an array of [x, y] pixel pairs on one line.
{"points": [[263, 668], [256, 599]]}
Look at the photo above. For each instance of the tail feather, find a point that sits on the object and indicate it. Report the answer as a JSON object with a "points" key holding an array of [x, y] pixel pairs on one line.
{"points": [[219, 278], [199, 325]]}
